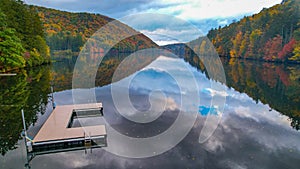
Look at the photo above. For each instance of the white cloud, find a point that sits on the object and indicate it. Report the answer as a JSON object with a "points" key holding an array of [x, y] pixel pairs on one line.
{"points": [[165, 42], [167, 36], [203, 9], [223, 22]]}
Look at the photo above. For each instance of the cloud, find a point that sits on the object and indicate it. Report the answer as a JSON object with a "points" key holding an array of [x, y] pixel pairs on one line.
{"points": [[203, 9], [167, 36], [163, 28]]}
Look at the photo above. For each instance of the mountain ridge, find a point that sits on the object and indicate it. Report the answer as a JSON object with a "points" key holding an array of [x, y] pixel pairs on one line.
{"points": [[272, 35], [70, 30]]}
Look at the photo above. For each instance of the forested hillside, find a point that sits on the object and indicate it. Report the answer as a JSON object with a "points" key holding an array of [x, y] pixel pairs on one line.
{"points": [[22, 40], [69, 31], [271, 35]]}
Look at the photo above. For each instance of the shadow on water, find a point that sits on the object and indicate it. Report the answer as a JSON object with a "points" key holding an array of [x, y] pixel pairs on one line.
{"points": [[27, 90]]}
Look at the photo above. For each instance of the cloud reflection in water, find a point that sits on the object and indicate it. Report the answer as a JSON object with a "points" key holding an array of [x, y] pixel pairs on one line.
{"points": [[249, 135]]}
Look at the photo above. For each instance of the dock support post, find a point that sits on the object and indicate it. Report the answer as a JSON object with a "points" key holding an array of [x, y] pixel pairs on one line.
{"points": [[53, 102], [25, 140], [24, 124]]}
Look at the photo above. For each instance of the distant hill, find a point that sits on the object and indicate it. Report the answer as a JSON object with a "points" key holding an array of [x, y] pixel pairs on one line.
{"points": [[271, 35], [69, 31], [202, 46]]}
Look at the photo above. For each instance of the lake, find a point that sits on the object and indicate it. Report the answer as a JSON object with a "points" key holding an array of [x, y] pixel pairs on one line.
{"points": [[259, 127]]}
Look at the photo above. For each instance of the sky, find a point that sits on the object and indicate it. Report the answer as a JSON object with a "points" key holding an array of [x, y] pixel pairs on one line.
{"points": [[203, 14]]}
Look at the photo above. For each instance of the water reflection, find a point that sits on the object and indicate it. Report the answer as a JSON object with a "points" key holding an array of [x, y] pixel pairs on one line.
{"points": [[27, 90], [272, 84], [249, 135], [63, 70], [254, 132]]}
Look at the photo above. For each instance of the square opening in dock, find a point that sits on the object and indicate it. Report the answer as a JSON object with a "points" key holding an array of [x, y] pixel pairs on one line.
{"points": [[56, 132], [86, 117]]}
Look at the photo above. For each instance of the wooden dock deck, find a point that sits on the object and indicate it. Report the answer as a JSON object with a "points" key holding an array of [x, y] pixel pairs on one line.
{"points": [[56, 135]]}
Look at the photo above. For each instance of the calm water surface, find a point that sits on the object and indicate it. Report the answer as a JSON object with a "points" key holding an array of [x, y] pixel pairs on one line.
{"points": [[259, 126]]}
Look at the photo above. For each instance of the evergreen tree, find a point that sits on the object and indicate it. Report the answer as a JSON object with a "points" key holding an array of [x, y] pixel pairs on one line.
{"points": [[21, 37], [11, 49]]}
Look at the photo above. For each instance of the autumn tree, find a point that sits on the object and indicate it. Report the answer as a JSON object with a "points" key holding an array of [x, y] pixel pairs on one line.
{"points": [[253, 36], [254, 43], [234, 52], [272, 48], [287, 50]]}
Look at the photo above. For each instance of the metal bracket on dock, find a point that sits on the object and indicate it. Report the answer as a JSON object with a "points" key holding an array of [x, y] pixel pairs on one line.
{"points": [[87, 142], [52, 96]]}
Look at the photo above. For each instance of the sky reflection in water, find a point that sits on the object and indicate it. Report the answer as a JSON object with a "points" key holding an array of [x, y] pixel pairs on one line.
{"points": [[250, 135]]}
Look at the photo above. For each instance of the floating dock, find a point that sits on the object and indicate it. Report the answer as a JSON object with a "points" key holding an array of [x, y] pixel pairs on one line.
{"points": [[58, 135]]}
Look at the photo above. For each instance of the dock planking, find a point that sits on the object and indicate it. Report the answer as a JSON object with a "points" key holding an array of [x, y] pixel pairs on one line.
{"points": [[56, 126], [56, 135]]}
